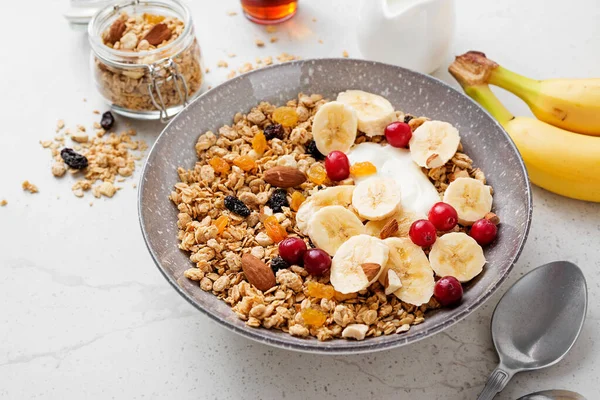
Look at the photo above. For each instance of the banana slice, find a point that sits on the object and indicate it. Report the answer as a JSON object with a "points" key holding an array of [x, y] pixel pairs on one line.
{"points": [[347, 273], [404, 218], [471, 199], [334, 127], [433, 144], [457, 254], [410, 263], [376, 198], [374, 112], [332, 196], [331, 226]]}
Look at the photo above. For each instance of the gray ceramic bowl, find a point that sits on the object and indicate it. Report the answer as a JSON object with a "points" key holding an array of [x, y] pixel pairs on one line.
{"points": [[484, 140]]}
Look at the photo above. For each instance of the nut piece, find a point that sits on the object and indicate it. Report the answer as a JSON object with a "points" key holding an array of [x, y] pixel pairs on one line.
{"points": [[392, 282], [432, 158], [284, 177], [493, 218], [116, 31], [158, 34], [257, 272], [389, 229], [355, 331], [371, 270]]}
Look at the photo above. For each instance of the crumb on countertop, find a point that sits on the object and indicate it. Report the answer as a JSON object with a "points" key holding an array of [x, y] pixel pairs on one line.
{"points": [[222, 64], [273, 39], [30, 187], [231, 13], [271, 28], [345, 54], [259, 43], [3, 203]]}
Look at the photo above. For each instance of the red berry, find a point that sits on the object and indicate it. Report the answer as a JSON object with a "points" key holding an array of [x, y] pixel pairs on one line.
{"points": [[337, 166], [422, 233], [292, 250], [316, 261], [398, 134], [448, 291], [443, 216], [483, 231]]}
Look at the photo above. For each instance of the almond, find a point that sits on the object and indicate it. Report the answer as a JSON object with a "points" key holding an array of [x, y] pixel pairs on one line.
{"points": [[257, 272], [371, 270], [493, 218], [158, 34], [284, 177], [116, 31], [389, 229], [431, 159]]}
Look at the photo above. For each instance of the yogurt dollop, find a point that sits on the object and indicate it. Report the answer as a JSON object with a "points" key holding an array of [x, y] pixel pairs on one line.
{"points": [[418, 193]]}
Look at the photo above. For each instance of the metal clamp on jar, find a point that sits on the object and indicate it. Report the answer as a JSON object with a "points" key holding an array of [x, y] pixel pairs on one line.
{"points": [[140, 79]]}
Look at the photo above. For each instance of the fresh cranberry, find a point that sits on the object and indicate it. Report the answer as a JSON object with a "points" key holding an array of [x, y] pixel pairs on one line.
{"points": [[398, 134], [292, 250], [316, 262], [484, 231], [443, 216], [422, 233], [448, 291], [337, 166]]}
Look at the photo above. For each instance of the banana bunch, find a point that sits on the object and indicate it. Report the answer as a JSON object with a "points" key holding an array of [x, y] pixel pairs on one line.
{"points": [[562, 147]]}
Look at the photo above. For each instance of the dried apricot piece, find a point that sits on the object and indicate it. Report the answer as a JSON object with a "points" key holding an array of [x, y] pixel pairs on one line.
{"points": [[221, 223], [259, 143], [219, 165], [363, 169], [275, 231], [317, 174], [153, 18], [313, 318], [246, 163], [297, 200], [286, 116], [319, 290]]}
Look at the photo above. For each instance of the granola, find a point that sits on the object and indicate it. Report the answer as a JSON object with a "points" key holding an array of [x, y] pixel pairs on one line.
{"points": [[231, 217], [144, 36]]}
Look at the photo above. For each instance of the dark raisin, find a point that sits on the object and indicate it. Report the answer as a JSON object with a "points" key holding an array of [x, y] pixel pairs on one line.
{"points": [[236, 206], [407, 118], [274, 131], [278, 263], [311, 148], [278, 199], [73, 159], [107, 120]]}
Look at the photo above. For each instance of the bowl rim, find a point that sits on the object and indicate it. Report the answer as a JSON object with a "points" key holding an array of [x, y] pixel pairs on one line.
{"points": [[314, 346]]}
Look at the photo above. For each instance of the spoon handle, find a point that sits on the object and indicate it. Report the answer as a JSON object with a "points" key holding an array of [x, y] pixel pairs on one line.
{"points": [[496, 382]]}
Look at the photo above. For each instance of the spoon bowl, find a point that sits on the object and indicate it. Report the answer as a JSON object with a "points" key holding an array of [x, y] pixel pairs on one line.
{"points": [[537, 321], [553, 395]]}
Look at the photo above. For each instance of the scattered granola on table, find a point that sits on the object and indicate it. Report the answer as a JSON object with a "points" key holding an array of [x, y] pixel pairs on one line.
{"points": [[332, 248], [29, 187], [3, 203]]}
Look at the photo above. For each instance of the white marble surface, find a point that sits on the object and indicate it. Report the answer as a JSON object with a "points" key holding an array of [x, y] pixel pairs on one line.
{"points": [[84, 313]]}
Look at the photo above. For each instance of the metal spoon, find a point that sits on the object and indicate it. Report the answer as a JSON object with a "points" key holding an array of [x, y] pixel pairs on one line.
{"points": [[553, 395], [537, 321]]}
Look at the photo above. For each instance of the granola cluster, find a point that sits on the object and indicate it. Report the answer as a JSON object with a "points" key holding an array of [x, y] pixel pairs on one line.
{"points": [[217, 249], [128, 87]]}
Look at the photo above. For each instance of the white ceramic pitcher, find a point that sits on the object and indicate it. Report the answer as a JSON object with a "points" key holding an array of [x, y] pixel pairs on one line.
{"points": [[414, 34]]}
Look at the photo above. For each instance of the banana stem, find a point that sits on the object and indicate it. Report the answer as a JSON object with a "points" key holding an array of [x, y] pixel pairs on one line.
{"points": [[483, 95], [518, 84]]}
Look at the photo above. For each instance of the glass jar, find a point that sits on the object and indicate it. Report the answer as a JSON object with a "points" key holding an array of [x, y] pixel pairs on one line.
{"points": [[145, 82]]}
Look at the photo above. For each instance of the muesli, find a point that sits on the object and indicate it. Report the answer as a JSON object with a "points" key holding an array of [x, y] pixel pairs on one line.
{"points": [[334, 219]]}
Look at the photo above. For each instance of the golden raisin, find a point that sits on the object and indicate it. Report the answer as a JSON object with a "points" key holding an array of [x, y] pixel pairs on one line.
{"points": [[221, 223], [259, 143], [319, 290], [313, 318], [153, 18], [297, 200], [245, 162], [317, 174], [275, 231], [363, 169], [220, 165], [285, 116]]}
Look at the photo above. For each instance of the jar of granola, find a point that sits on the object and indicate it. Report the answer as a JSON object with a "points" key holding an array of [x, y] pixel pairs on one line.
{"points": [[145, 58]]}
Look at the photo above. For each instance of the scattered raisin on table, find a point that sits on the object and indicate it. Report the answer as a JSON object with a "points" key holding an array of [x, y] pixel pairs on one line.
{"points": [[278, 199], [107, 120], [236, 206], [311, 148], [407, 118], [278, 263], [73, 159], [274, 131]]}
